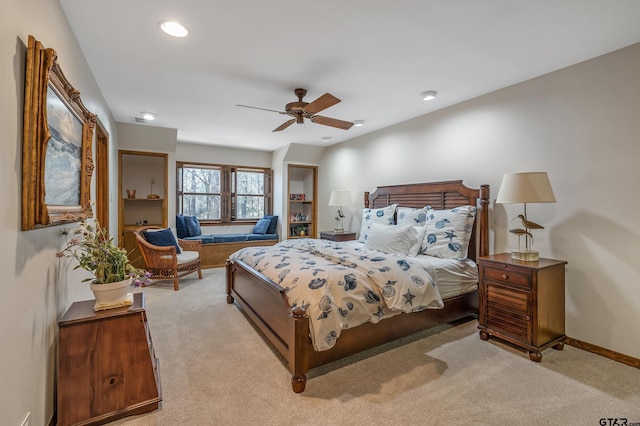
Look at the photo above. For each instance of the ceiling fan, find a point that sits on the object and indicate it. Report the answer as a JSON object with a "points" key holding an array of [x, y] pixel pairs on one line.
{"points": [[300, 110]]}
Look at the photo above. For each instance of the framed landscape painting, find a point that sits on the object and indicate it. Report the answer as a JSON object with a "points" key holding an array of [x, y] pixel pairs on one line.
{"points": [[56, 157]]}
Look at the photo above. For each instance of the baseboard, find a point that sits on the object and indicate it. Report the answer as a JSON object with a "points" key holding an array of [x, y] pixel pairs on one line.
{"points": [[616, 356]]}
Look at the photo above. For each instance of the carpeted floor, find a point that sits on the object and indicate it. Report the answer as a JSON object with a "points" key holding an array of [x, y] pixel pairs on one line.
{"points": [[216, 369]]}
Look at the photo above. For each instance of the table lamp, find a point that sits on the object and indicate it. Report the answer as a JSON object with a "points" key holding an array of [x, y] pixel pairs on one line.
{"points": [[531, 187], [340, 198]]}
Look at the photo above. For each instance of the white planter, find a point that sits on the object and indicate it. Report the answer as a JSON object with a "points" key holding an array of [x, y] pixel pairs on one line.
{"points": [[111, 293]]}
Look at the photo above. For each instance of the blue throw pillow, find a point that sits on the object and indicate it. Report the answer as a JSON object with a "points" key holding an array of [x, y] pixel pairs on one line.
{"points": [[262, 226], [273, 225], [163, 237], [193, 226], [181, 227]]}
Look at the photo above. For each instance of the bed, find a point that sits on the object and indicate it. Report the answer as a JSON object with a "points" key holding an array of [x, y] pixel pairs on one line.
{"points": [[289, 328]]}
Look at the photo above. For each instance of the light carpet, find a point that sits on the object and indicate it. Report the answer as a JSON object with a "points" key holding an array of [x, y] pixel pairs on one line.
{"points": [[217, 369]]}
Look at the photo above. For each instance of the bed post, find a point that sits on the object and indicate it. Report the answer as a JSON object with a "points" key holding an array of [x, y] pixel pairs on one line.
{"points": [[298, 354], [483, 248], [229, 276]]}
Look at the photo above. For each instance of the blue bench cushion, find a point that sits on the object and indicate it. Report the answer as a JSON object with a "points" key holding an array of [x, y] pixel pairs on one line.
{"points": [[232, 238]]}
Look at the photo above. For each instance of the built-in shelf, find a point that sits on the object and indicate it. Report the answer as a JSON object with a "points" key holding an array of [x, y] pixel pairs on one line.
{"points": [[145, 173], [302, 195]]}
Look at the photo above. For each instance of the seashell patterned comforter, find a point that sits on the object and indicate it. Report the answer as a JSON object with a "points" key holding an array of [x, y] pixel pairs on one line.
{"points": [[341, 285]]}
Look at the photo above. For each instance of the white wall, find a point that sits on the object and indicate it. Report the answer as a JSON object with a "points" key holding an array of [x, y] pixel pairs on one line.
{"points": [[581, 125], [35, 289]]}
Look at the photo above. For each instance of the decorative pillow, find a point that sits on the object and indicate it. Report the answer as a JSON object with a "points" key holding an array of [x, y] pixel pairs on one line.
{"points": [[447, 232], [181, 227], [411, 216], [261, 226], [273, 226], [414, 250], [383, 216], [193, 226], [162, 237], [392, 239]]}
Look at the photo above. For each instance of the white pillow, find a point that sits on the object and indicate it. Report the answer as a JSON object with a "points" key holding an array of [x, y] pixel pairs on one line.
{"points": [[392, 239], [411, 216], [382, 216], [447, 232], [415, 249]]}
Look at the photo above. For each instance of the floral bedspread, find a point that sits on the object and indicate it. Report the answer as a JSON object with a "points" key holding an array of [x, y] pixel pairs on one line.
{"points": [[343, 286]]}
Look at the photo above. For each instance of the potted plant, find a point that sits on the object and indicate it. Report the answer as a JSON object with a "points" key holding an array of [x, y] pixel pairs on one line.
{"points": [[95, 252]]}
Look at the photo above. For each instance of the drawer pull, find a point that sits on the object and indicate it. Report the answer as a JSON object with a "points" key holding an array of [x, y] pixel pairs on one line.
{"points": [[505, 276], [528, 318]]}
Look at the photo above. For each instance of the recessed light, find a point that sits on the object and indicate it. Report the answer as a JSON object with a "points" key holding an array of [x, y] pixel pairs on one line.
{"points": [[428, 95], [326, 138], [173, 28], [358, 123], [148, 115]]}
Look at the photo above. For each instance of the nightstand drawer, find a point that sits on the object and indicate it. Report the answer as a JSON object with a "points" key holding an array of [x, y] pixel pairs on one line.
{"points": [[507, 275]]}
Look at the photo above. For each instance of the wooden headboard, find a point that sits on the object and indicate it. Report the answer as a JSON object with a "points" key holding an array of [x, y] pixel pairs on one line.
{"points": [[440, 196]]}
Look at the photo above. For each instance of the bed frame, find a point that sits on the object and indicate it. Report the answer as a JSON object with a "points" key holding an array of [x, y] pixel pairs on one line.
{"points": [[266, 304]]}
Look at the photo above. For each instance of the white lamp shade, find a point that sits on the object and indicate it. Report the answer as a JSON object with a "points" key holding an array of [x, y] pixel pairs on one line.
{"points": [[531, 187], [340, 198]]}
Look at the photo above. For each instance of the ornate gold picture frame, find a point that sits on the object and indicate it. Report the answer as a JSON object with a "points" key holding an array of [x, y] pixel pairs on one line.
{"points": [[56, 146]]}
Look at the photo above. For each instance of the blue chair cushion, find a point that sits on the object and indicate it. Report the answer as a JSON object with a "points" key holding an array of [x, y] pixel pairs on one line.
{"points": [[162, 237], [193, 226], [206, 239], [273, 225], [181, 227], [262, 226]]}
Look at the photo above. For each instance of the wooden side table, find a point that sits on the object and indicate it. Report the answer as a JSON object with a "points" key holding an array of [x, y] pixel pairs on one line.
{"points": [[523, 302], [337, 236], [107, 368]]}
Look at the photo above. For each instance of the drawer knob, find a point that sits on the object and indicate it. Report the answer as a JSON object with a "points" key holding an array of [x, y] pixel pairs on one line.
{"points": [[505, 276]]}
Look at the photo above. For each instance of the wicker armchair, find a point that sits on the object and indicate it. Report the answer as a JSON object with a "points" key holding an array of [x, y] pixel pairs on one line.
{"points": [[162, 262]]}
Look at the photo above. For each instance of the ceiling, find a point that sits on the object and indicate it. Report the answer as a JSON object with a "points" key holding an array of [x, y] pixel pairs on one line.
{"points": [[377, 56]]}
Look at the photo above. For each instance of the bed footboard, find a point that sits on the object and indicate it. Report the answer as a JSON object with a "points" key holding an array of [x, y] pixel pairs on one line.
{"points": [[265, 302]]}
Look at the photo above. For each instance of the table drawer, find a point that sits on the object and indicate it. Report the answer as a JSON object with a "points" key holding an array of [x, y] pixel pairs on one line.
{"points": [[510, 276]]}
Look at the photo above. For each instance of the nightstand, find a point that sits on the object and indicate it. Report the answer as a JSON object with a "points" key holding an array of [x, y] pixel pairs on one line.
{"points": [[337, 236], [522, 302]]}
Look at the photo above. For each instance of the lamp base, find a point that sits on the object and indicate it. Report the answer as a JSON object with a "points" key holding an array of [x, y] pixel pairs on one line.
{"points": [[525, 255]]}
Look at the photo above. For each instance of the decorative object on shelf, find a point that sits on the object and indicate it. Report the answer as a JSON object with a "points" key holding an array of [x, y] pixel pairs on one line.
{"points": [[96, 253], [340, 198], [296, 197], [151, 194], [531, 187], [131, 193]]}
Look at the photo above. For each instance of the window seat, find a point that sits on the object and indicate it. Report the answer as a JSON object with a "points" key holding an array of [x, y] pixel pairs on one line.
{"points": [[216, 248]]}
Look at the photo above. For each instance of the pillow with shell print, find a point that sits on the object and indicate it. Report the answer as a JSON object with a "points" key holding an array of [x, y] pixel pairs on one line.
{"points": [[447, 232], [384, 216]]}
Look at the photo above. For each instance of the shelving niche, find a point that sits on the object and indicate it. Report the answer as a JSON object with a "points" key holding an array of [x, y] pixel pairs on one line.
{"points": [[146, 174], [302, 201]]}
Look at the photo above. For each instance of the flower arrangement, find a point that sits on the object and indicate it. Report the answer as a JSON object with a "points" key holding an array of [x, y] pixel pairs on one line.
{"points": [[96, 252]]}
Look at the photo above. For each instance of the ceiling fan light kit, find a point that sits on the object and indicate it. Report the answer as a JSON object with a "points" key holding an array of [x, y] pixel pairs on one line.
{"points": [[300, 110], [358, 123]]}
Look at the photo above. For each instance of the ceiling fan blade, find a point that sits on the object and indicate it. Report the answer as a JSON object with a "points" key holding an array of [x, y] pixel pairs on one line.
{"points": [[263, 109], [284, 125], [323, 102], [333, 122]]}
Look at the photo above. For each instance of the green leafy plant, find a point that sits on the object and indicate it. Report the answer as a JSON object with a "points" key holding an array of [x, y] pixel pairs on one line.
{"points": [[95, 252]]}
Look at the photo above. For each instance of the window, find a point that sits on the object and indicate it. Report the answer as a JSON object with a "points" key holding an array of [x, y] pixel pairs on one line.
{"points": [[222, 194]]}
